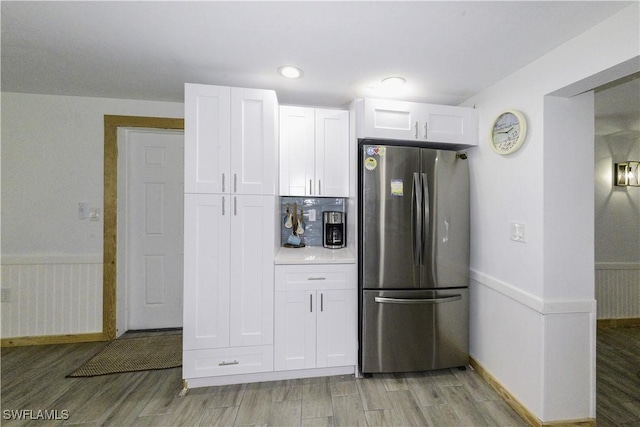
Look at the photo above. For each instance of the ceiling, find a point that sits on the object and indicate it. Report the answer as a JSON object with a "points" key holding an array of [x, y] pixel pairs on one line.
{"points": [[447, 50]]}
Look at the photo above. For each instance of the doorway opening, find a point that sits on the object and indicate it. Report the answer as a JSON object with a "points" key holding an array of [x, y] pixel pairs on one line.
{"points": [[617, 208], [617, 260], [110, 231]]}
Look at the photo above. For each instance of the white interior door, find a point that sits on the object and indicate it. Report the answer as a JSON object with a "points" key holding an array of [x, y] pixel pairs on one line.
{"points": [[154, 228]]}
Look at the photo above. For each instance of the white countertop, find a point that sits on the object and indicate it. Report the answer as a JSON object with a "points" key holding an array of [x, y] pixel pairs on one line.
{"points": [[314, 255]]}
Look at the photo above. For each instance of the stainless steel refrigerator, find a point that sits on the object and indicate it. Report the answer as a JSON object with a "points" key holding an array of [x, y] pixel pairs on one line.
{"points": [[413, 258]]}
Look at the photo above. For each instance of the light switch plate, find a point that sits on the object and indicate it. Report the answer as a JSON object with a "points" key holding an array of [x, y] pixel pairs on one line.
{"points": [[517, 232], [82, 210]]}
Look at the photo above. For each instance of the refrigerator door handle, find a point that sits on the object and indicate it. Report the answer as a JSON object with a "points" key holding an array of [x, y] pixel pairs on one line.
{"points": [[385, 300], [429, 233], [416, 216]]}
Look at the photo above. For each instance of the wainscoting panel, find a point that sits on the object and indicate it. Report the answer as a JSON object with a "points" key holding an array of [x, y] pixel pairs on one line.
{"points": [[617, 290], [51, 296], [536, 349]]}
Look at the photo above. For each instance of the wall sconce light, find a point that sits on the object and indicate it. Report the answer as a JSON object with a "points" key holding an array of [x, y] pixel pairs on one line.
{"points": [[627, 174]]}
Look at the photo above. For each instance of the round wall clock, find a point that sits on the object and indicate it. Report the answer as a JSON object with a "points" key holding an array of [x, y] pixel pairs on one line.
{"points": [[508, 132]]}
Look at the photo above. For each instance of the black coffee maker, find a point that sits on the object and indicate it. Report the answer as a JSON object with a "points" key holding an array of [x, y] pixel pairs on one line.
{"points": [[334, 234]]}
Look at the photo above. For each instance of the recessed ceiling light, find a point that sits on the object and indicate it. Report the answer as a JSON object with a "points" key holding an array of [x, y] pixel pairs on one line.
{"points": [[290, 72], [394, 81]]}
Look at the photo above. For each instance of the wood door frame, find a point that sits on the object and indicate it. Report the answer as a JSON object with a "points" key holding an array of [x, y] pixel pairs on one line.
{"points": [[110, 207]]}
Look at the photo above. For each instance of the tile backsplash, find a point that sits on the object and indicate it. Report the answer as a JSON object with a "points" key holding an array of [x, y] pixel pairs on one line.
{"points": [[312, 235]]}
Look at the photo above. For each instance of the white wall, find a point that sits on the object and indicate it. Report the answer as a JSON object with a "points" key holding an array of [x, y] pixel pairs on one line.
{"points": [[535, 301], [52, 159]]}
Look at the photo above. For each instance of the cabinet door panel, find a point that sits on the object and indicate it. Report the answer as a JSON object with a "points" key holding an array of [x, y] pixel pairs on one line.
{"points": [[336, 328], [449, 124], [253, 141], [206, 271], [297, 173], [332, 153], [295, 341], [252, 248], [207, 133], [390, 119]]}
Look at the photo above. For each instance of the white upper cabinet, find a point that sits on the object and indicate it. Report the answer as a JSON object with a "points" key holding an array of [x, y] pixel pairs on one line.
{"points": [[411, 121], [297, 150], [207, 134], [332, 152], [314, 152], [389, 119], [230, 140], [449, 124], [254, 141]]}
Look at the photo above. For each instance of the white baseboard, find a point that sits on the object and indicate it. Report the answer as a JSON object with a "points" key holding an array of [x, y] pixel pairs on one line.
{"points": [[268, 376]]}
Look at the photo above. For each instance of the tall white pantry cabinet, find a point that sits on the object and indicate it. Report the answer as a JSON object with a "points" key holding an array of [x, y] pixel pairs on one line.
{"points": [[231, 149]]}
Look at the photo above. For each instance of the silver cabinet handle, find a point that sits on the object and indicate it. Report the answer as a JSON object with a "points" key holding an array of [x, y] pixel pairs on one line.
{"points": [[321, 302], [235, 180], [425, 130], [416, 130], [311, 303], [235, 206], [223, 213], [223, 182], [310, 187], [319, 188], [223, 363], [417, 300], [316, 278]]}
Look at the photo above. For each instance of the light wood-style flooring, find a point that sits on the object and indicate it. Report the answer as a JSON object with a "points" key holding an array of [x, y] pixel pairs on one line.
{"points": [[33, 378]]}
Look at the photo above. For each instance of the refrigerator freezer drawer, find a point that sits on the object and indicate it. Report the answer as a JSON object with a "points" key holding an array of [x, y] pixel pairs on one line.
{"points": [[414, 330]]}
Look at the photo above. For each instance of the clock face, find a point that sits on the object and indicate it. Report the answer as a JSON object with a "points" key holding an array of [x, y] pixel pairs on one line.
{"points": [[508, 132]]}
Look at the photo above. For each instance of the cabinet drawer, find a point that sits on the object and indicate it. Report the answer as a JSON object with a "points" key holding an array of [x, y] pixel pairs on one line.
{"points": [[227, 361], [315, 277]]}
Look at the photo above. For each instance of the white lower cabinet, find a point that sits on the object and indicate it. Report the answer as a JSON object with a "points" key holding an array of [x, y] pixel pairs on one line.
{"points": [[336, 337], [315, 316], [228, 286]]}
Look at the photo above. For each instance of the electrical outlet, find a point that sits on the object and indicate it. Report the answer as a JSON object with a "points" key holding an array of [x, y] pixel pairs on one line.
{"points": [[94, 214], [5, 295]]}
